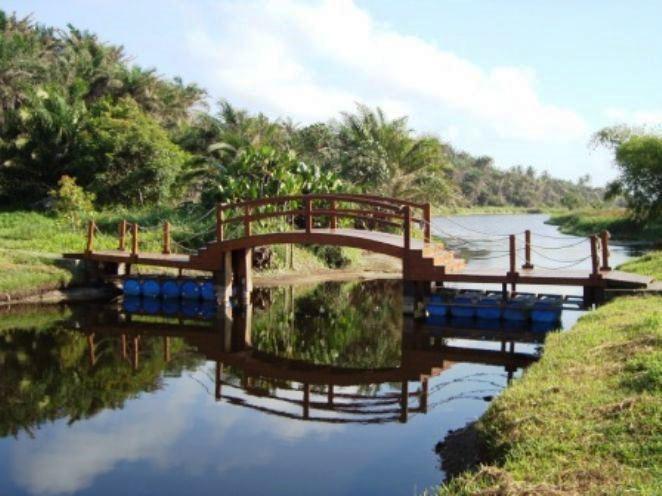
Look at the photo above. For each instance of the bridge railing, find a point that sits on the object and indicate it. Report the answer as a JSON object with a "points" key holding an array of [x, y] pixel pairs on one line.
{"points": [[324, 211]]}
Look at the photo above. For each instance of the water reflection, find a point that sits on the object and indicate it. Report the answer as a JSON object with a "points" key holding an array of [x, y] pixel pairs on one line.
{"points": [[297, 378]]}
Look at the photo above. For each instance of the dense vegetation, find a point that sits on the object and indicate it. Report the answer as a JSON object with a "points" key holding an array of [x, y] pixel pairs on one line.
{"points": [[74, 106], [587, 418]]}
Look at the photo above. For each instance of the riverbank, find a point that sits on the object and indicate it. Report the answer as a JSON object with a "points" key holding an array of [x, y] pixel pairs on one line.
{"points": [[616, 221], [585, 419]]}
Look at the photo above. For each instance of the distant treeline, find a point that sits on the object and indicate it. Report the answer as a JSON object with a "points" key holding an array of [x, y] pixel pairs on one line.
{"points": [[74, 106]]}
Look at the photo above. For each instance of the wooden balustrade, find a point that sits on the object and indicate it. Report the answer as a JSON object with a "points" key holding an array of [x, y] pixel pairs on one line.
{"points": [[595, 261], [89, 246], [527, 250], [512, 251], [604, 242], [166, 238], [134, 239], [122, 235]]}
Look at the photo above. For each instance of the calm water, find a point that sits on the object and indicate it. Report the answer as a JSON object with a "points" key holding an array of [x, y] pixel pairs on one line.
{"points": [[322, 389]]}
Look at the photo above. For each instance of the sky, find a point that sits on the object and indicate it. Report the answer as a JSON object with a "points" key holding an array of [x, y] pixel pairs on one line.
{"points": [[526, 83]]}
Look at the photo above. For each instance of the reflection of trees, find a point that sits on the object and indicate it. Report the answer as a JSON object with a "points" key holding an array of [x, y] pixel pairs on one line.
{"points": [[48, 374], [347, 325]]}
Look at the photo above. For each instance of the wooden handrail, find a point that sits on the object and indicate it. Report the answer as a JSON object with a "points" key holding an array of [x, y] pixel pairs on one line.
{"points": [[373, 200]]}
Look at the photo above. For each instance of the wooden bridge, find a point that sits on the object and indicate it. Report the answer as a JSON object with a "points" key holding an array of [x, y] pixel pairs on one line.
{"points": [[391, 226]]}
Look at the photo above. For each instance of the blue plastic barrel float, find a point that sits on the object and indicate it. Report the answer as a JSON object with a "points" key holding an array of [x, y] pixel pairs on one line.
{"points": [[190, 290], [131, 287], [436, 320], [151, 306], [170, 288], [131, 304], [170, 306], [151, 288], [518, 308], [208, 291], [208, 309], [489, 307], [190, 308], [464, 305], [547, 309], [436, 306]]}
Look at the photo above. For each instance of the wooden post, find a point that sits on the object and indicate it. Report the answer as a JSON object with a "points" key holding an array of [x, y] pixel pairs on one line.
{"points": [[309, 214], [306, 400], [427, 211], [166, 349], [329, 396], [219, 222], [595, 262], [334, 219], [407, 228], [123, 346], [513, 261], [247, 221], [604, 240], [166, 238], [134, 239], [404, 401], [91, 226], [122, 230], [527, 250]]}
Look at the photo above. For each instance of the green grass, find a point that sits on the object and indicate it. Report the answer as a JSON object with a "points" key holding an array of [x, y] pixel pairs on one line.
{"points": [[587, 418], [649, 264], [616, 221]]}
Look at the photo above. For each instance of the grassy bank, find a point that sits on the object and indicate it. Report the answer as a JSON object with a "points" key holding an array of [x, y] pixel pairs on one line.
{"points": [[616, 221], [649, 264], [587, 418]]}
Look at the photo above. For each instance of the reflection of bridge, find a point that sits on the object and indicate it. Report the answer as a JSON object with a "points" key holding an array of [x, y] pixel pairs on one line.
{"points": [[351, 221], [227, 342]]}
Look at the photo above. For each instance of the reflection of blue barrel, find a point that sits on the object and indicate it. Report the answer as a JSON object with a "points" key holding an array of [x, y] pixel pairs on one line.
{"points": [[208, 309], [131, 287], [190, 290], [131, 304], [208, 291], [436, 320], [151, 305], [170, 288], [190, 308], [489, 324], [151, 288], [170, 306], [540, 326], [462, 323]]}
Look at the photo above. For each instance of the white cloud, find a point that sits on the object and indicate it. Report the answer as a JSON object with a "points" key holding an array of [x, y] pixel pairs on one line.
{"points": [[637, 117], [312, 60]]}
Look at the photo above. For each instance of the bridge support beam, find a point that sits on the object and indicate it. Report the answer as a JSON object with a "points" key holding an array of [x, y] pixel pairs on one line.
{"points": [[242, 267], [223, 280]]}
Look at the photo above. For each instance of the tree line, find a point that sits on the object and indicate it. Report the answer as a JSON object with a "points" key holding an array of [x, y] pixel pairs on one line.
{"points": [[78, 116]]}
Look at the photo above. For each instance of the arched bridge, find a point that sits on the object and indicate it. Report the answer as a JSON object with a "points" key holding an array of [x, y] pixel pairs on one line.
{"points": [[391, 226]]}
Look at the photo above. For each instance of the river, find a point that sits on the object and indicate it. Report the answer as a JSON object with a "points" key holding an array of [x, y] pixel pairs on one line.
{"points": [[97, 400]]}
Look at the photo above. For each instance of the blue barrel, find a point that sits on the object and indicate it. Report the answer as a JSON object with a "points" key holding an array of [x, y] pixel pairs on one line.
{"points": [[170, 288], [518, 308], [151, 288], [489, 308], [170, 306], [208, 291], [131, 287], [488, 324], [208, 309], [462, 323], [152, 306], [463, 306], [131, 304], [190, 308], [190, 290], [546, 309], [437, 309]]}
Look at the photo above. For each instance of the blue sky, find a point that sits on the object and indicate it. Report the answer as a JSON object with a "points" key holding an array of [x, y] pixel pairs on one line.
{"points": [[524, 82]]}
